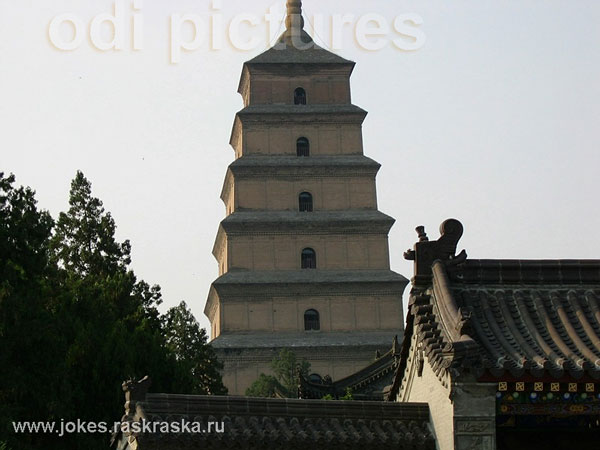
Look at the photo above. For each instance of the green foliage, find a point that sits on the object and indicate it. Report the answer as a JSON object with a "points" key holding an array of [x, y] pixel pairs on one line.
{"points": [[109, 321], [30, 342], [84, 241], [75, 321], [198, 365], [287, 370], [265, 386], [348, 395]]}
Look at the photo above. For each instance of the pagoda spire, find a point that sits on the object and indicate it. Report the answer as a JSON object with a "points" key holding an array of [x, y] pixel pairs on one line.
{"points": [[295, 45], [294, 35], [294, 20]]}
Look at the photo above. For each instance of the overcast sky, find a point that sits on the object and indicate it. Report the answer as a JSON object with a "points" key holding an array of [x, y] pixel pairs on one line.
{"points": [[494, 120]]}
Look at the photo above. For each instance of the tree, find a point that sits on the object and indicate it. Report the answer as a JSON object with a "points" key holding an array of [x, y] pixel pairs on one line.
{"points": [[287, 371], [114, 316], [30, 346], [108, 320], [265, 386], [84, 242], [199, 368], [75, 321]]}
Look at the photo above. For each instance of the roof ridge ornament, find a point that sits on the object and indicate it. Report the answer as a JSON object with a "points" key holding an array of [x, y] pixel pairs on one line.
{"points": [[135, 392], [425, 252], [395, 346]]}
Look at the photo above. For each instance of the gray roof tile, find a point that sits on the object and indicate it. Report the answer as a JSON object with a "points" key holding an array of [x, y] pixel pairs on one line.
{"points": [[254, 423]]}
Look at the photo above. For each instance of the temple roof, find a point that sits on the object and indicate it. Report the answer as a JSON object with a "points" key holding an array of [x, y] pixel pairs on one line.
{"points": [[306, 53], [254, 423], [501, 319], [369, 383]]}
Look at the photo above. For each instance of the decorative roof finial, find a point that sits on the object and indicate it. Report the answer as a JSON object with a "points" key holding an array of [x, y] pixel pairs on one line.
{"points": [[421, 232], [426, 252], [294, 19]]}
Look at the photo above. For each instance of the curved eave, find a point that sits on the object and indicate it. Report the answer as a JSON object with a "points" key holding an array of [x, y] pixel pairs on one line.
{"points": [[220, 240], [211, 302], [227, 184], [298, 282], [336, 164], [368, 340], [283, 222], [260, 112], [373, 371]]}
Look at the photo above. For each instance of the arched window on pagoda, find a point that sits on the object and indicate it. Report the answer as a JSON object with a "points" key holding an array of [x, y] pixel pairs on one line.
{"points": [[299, 96], [305, 201], [309, 259], [302, 147], [311, 320]]}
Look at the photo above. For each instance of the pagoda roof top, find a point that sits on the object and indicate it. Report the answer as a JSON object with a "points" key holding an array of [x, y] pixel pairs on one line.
{"points": [[501, 319], [304, 51], [295, 45]]}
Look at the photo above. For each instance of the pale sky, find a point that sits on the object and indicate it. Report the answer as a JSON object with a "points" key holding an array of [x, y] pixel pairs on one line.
{"points": [[494, 120]]}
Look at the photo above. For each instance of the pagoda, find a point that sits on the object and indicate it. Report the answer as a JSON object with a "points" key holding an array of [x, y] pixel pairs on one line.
{"points": [[303, 251]]}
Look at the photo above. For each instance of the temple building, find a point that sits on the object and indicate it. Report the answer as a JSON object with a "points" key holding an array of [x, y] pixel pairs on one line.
{"points": [[505, 352], [303, 252]]}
